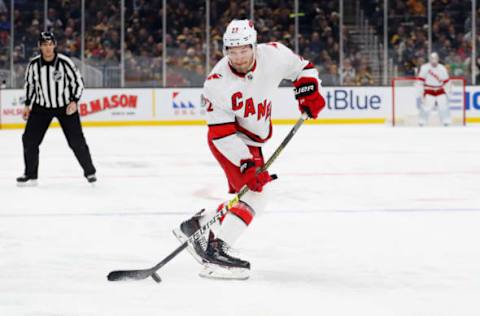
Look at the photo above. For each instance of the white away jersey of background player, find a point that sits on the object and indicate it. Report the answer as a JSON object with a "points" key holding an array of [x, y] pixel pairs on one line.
{"points": [[433, 77], [245, 100]]}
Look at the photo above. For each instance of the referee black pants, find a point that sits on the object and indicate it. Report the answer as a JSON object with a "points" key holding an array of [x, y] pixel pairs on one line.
{"points": [[37, 125]]}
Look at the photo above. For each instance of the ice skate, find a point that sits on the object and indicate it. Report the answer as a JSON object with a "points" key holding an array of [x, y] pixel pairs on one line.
{"points": [[186, 229], [220, 264]]}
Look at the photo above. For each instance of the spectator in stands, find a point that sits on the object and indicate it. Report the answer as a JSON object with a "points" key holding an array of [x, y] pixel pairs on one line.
{"points": [[363, 76], [416, 7], [4, 23], [331, 78], [318, 39], [348, 73], [316, 44], [4, 41]]}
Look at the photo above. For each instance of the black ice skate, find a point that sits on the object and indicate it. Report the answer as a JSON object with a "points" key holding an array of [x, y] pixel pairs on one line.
{"points": [[188, 228], [220, 264], [218, 253], [26, 181]]}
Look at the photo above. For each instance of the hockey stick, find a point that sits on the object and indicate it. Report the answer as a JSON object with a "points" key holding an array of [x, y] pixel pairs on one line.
{"points": [[125, 275]]}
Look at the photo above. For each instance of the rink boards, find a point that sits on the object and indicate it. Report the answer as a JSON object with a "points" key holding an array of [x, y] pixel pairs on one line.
{"points": [[117, 107]]}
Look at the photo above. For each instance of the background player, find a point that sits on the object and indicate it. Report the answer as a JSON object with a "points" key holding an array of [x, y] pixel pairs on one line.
{"points": [[237, 96], [433, 89]]}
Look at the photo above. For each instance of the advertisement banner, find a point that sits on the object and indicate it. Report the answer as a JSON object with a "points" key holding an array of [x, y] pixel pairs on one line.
{"points": [[472, 104], [12, 103], [106, 105], [356, 104], [112, 107], [181, 105], [343, 105], [97, 107]]}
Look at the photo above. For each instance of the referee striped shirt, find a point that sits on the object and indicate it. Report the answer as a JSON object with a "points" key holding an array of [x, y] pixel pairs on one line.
{"points": [[52, 84]]}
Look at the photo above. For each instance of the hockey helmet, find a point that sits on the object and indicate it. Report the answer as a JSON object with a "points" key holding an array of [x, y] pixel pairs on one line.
{"points": [[433, 58], [239, 33]]}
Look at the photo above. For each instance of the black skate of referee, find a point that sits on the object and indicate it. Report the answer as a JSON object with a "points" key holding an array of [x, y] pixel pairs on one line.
{"points": [[53, 86]]}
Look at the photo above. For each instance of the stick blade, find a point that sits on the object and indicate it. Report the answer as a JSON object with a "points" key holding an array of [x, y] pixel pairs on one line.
{"points": [[129, 275], [156, 277]]}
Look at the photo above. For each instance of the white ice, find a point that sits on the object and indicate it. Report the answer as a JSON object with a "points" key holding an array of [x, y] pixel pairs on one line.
{"points": [[364, 220]]}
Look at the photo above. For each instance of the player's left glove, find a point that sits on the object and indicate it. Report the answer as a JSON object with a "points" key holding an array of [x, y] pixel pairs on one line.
{"points": [[309, 98], [255, 181]]}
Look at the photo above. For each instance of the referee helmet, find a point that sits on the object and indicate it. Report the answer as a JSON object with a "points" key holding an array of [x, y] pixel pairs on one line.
{"points": [[47, 36]]}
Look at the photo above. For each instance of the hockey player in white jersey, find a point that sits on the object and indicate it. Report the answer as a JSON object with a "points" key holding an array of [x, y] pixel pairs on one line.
{"points": [[238, 99], [433, 90]]}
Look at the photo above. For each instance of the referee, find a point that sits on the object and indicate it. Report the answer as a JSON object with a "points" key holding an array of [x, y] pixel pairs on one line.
{"points": [[53, 86]]}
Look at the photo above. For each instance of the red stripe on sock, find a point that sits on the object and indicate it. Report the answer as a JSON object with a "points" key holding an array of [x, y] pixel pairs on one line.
{"points": [[243, 212]]}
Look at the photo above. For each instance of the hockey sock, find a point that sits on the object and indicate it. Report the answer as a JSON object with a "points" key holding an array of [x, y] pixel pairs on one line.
{"points": [[235, 223]]}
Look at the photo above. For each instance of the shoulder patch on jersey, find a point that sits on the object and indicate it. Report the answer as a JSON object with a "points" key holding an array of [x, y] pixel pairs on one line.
{"points": [[309, 65], [214, 76], [274, 44]]}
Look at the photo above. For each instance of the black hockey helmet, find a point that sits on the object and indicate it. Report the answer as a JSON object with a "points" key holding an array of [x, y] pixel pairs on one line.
{"points": [[47, 36]]}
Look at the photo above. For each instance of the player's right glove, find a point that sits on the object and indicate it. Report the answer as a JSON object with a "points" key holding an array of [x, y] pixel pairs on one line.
{"points": [[308, 96], [254, 181]]}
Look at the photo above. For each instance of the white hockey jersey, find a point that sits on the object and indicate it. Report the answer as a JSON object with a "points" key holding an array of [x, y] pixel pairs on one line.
{"points": [[433, 78], [239, 106]]}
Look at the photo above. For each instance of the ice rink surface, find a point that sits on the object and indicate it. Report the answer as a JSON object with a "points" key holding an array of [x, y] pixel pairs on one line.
{"points": [[364, 220]]}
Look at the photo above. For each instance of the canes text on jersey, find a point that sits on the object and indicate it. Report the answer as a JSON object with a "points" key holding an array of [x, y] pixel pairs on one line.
{"points": [[263, 110]]}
